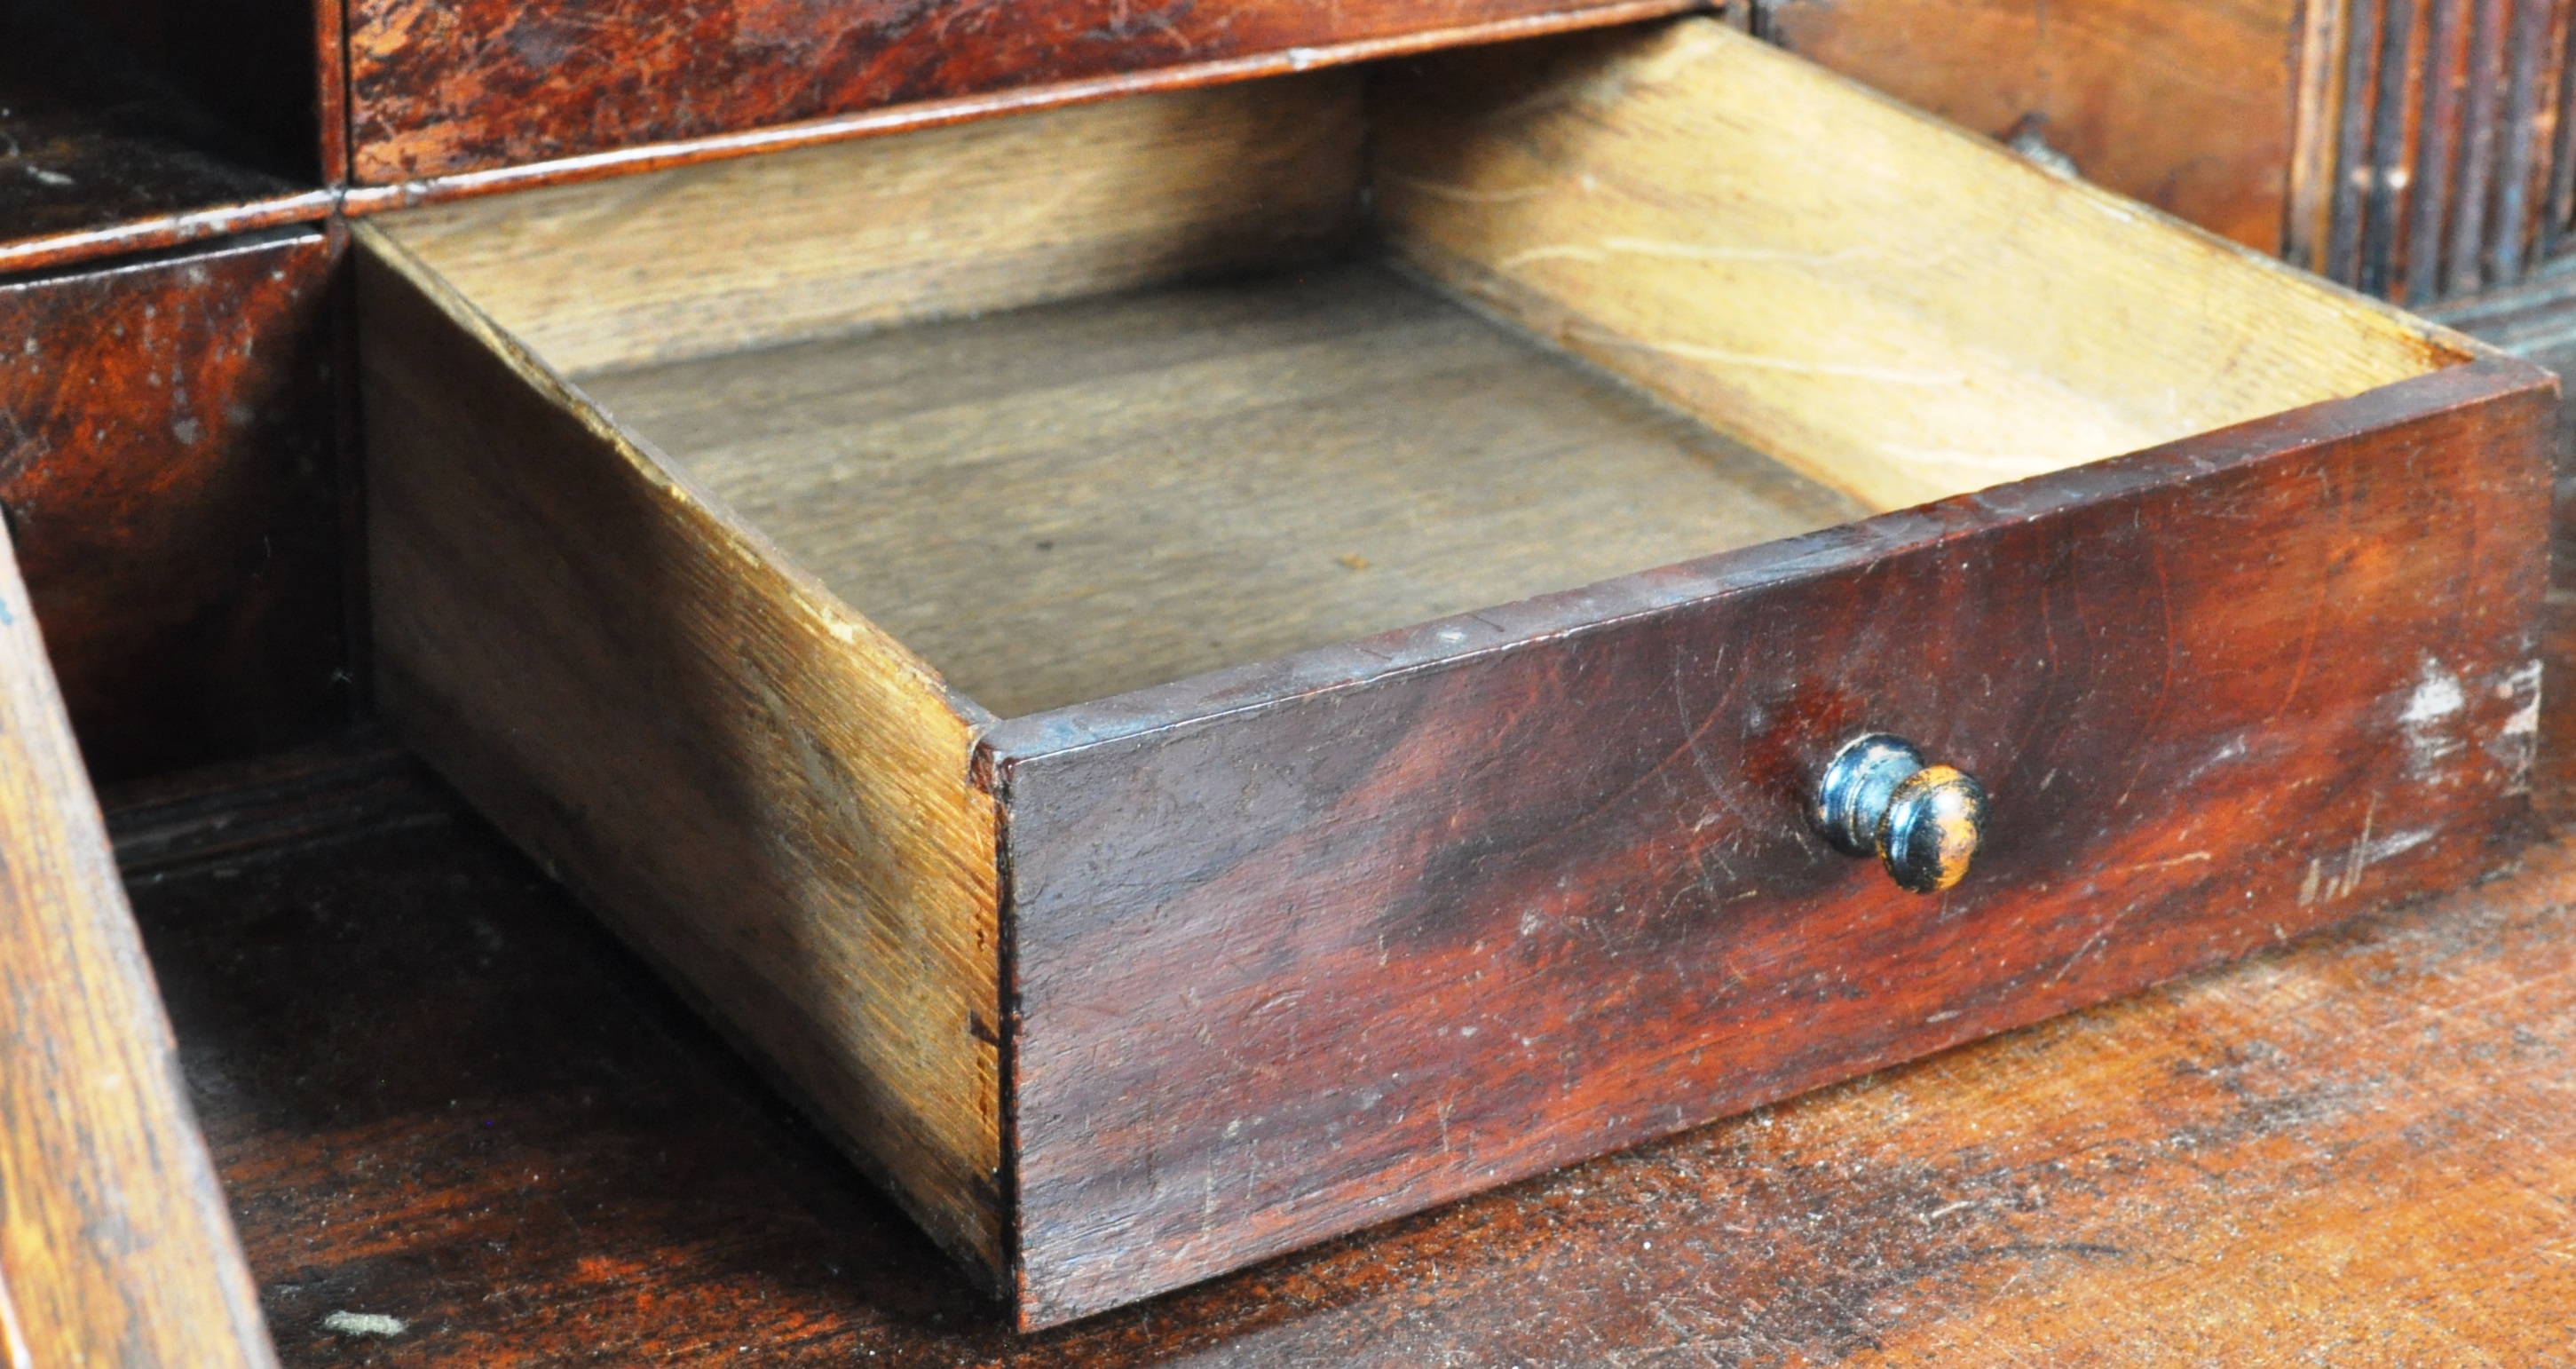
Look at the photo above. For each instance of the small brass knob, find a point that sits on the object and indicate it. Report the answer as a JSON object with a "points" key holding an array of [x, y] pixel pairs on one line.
{"points": [[1923, 822]]}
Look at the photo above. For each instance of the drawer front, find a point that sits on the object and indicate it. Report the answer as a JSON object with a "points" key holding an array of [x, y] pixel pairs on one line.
{"points": [[438, 89], [1466, 902]]}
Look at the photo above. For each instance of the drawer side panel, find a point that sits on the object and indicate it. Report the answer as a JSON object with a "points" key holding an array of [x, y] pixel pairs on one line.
{"points": [[116, 1247], [756, 788], [1314, 944]]}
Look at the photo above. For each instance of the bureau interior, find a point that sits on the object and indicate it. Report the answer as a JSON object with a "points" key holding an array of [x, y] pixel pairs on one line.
{"points": [[1084, 400]]}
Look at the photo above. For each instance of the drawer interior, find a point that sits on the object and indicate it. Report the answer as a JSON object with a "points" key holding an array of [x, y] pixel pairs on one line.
{"points": [[1068, 501], [1083, 401]]}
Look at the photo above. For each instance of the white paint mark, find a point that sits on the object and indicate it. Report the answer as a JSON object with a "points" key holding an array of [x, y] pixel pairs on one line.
{"points": [[2427, 720], [2516, 744], [2033, 146], [2328, 883], [364, 1324], [2356, 862], [2438, 696], [2393, 844]]}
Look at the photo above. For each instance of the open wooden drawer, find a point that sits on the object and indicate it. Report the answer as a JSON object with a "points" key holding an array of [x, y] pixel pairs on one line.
{"points": [[1087, 643]]}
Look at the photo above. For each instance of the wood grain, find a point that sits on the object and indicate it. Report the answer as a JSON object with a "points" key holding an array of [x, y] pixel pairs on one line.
{"points": [[362, 780], [115, 1247], [1061, 504], [1535, 823], [763, 791], [447, 88], [2436, 160], [2352, 1148], [741, 254], [2184, 106], [166, 457], [1302, 946], [1905, 314]]}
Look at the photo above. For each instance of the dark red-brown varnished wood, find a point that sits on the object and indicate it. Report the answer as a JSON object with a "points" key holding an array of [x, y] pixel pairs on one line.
{"points": [[1300, 947], [438, 1091], [439, 87], [166, 431]]}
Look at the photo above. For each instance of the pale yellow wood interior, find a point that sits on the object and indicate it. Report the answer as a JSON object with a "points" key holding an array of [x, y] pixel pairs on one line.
{"points": [[1008, 389], [1854, 287], [759, 788], [1074, 500], [753, 252]]}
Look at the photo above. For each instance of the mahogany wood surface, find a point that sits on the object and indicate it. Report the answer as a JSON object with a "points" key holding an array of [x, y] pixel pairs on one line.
{"points": [[438, 89], [115, 1246], [439, 1092], [1304, 945], [166, 459], [2185, 106]]}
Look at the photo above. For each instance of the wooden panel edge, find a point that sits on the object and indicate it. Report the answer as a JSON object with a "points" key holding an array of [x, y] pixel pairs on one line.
{"points": [[2316, 97], [50, 250], [116, 1245], [749, 781], [1443, 642], [372, 197], [870, 233]]}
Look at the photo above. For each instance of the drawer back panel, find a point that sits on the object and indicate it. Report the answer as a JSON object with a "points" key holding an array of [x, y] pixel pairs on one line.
{"points": [[990, 216]]}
